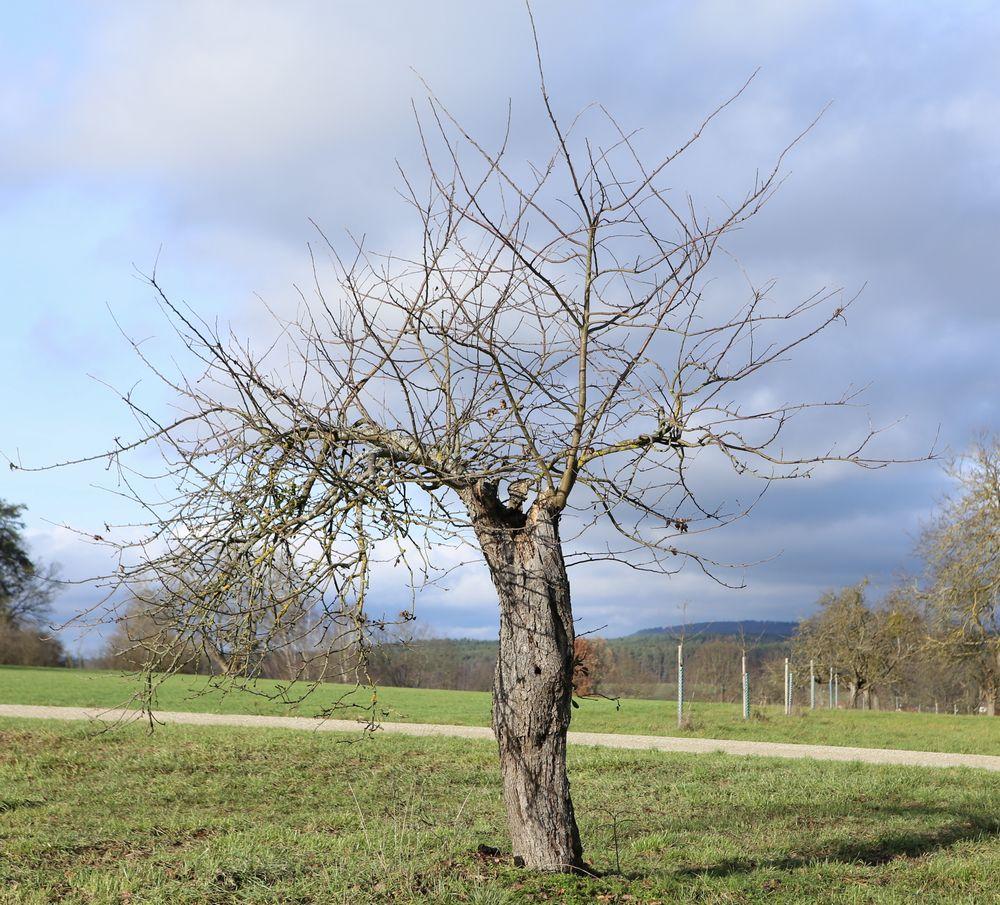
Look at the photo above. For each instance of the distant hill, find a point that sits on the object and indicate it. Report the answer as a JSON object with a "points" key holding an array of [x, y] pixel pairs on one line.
{"points": [[754, 629]]}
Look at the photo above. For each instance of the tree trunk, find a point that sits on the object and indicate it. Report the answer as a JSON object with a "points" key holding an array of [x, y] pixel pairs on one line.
{"points": [[991, 689], [988, 695], [533, 685]]}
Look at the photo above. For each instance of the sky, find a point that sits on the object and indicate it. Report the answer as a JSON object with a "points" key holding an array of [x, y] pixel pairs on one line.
{"points": [[207, 135]]}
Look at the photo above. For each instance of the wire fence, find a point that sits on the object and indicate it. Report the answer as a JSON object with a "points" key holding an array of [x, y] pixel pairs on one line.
{"points": [[803, 685]]}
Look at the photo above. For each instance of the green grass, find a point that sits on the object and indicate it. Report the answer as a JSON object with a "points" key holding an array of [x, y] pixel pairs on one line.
{"points": [[198, 815], [927, 732]]}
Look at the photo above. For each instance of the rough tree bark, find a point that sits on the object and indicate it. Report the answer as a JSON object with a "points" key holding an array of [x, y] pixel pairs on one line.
{"points": [[533, 685]]}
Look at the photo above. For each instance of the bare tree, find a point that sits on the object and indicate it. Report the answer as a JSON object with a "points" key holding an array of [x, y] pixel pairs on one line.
{"points": [[546, 368], [716, 661], [270, 627], [961, 549], [868, 646], [31, 604]]}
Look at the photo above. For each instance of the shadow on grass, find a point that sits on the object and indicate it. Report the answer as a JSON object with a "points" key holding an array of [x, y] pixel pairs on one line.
{"points": [[14, 804], [967, 826]]}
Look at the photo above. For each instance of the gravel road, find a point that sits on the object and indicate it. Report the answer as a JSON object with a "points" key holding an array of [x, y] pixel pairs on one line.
{"points": [[598, 739]]}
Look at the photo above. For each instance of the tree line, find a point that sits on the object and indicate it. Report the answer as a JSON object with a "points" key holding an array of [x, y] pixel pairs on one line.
{"points": [[933, 637], [27, 589], [931, 642]]}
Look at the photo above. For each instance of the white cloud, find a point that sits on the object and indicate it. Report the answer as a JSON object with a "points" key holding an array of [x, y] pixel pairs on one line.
{"points": [[219, 128]]}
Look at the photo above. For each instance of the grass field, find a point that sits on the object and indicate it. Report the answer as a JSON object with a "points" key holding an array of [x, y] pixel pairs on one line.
{"points": [[198, 815], [873, 729]]}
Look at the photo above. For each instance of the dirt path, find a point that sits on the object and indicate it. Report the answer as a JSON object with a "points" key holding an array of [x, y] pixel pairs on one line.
{"points": [[604, 740]]}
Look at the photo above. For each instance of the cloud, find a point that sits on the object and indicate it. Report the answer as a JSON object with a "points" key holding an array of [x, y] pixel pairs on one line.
{"points": [[217, 129]]}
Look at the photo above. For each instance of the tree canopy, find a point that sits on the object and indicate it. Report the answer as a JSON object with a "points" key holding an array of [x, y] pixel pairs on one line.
{"points": [[16, 567], [961, 549]]}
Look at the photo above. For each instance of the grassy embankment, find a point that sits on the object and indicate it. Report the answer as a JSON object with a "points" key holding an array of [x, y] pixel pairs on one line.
{"points": [[929, 732], [199, 815]]}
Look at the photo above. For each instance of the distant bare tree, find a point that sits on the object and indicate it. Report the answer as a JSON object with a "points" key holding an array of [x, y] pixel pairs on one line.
{"points": [[867, 646], [961, 548], [548, 357], [290, 639], [715, 664], [31, 603]]}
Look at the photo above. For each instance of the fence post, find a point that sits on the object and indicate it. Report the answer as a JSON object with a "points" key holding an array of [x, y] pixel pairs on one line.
{"points": [[812, 685], [788, 689], [680, 684], [836, 691], [746, 690], [829, 688]]}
